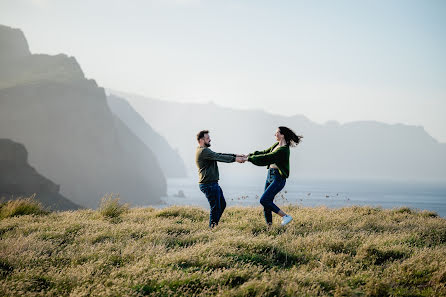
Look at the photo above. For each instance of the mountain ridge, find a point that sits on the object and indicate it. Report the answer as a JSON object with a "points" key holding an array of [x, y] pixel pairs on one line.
{"points": [[331, 122], [358, 149]]}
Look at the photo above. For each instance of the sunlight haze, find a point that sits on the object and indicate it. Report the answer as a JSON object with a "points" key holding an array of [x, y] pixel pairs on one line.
{"points": [[343, 60]]}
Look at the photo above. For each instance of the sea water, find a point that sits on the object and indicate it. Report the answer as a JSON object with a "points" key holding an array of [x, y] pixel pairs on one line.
{"points": [[386, 194]]}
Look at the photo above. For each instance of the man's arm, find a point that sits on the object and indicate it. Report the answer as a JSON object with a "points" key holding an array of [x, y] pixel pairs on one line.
{"points": [[208, 154], [229, 154]]}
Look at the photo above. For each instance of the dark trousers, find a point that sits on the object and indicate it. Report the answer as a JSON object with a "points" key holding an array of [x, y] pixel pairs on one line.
{"points": [[273, 185], [217, 202]]}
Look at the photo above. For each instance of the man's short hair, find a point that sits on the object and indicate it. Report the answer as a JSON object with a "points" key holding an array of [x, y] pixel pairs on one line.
{"points": [[200, 134]]}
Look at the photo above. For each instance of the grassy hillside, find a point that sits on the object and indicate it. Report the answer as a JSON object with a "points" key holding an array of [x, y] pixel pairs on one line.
{"points": [[353, 251]]}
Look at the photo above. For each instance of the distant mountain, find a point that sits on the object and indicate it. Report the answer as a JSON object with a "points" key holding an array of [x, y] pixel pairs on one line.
{"points": [[169, 159], [19, 179], [357, 150], [71, 135]]}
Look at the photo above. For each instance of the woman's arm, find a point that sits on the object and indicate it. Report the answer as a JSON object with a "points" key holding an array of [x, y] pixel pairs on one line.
{"points": [[268, 150], [267, 159]]}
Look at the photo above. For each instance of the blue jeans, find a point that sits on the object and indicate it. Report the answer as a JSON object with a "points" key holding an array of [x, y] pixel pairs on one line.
{"points": [[217, 202], [273, 185]]}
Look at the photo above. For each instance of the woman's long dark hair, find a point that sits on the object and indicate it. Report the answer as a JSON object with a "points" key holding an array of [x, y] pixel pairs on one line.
{"points": [[290, 137]]}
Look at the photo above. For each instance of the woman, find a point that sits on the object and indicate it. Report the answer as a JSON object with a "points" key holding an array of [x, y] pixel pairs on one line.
{"points": [[277, 158]]}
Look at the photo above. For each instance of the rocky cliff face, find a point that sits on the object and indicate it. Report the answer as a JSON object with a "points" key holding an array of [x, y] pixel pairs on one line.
{"points": [[19, 179], [72, 136], [19, 66], [169, 159], [14, 44]]}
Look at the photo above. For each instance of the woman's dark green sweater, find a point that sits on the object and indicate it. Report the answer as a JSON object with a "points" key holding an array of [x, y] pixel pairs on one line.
{"points": [[280, 157]]}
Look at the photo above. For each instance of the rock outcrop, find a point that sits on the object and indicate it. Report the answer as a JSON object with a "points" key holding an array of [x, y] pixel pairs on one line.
{"points": [[19, 179], [13, 43]]}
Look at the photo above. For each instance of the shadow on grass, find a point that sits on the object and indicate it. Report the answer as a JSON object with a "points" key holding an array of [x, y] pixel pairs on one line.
{"points": [[182, 241], [5, 268], [193, 284], [193, 214], [178, 287], [373, 256], [267, 256]]}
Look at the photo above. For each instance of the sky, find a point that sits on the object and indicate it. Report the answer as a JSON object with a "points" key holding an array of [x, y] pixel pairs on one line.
{"points": [[327, 60]]}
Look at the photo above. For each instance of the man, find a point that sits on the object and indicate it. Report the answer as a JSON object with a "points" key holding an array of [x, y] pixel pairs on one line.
{"points": [[206, 161]]}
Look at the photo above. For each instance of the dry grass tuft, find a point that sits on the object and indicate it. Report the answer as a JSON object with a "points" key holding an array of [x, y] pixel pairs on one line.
{"points": [[111, 208], [21, 206]]}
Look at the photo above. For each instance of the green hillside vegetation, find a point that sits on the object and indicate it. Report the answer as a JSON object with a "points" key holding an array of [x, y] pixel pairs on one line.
{"points": [[121, 251]]}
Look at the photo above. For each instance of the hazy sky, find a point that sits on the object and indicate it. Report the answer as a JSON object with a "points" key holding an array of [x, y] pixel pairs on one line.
{"points": [[328, 60]]}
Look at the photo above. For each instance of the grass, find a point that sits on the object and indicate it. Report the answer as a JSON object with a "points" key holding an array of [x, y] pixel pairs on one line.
{"points": [[354, 251], [111, 208], [21, 206]]}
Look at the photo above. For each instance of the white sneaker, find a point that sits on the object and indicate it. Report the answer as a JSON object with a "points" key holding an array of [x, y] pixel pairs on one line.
{"points": [[286, 219]]}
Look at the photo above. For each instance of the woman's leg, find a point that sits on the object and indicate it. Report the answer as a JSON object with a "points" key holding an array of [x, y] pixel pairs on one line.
{"points": [[268, 216], [268, 196], [266, 211]]}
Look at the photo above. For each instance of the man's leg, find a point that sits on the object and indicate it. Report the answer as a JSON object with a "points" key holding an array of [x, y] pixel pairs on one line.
{"points": [[214, 211], [222, 203], [212, 197]]}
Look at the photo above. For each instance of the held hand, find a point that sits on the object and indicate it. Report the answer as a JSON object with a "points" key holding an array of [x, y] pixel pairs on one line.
{"points": [[240, 159]]}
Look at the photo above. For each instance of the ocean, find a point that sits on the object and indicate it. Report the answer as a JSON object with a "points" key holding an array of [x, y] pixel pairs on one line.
{"points": [[333, 194]]}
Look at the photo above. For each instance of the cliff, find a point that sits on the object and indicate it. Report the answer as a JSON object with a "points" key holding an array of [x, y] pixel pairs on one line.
{"points": [[19, 179], [72, 136], [169, 159]]}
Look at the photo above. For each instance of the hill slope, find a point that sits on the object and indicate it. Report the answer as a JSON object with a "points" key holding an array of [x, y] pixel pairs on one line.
{"points": [[352, 251]]}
